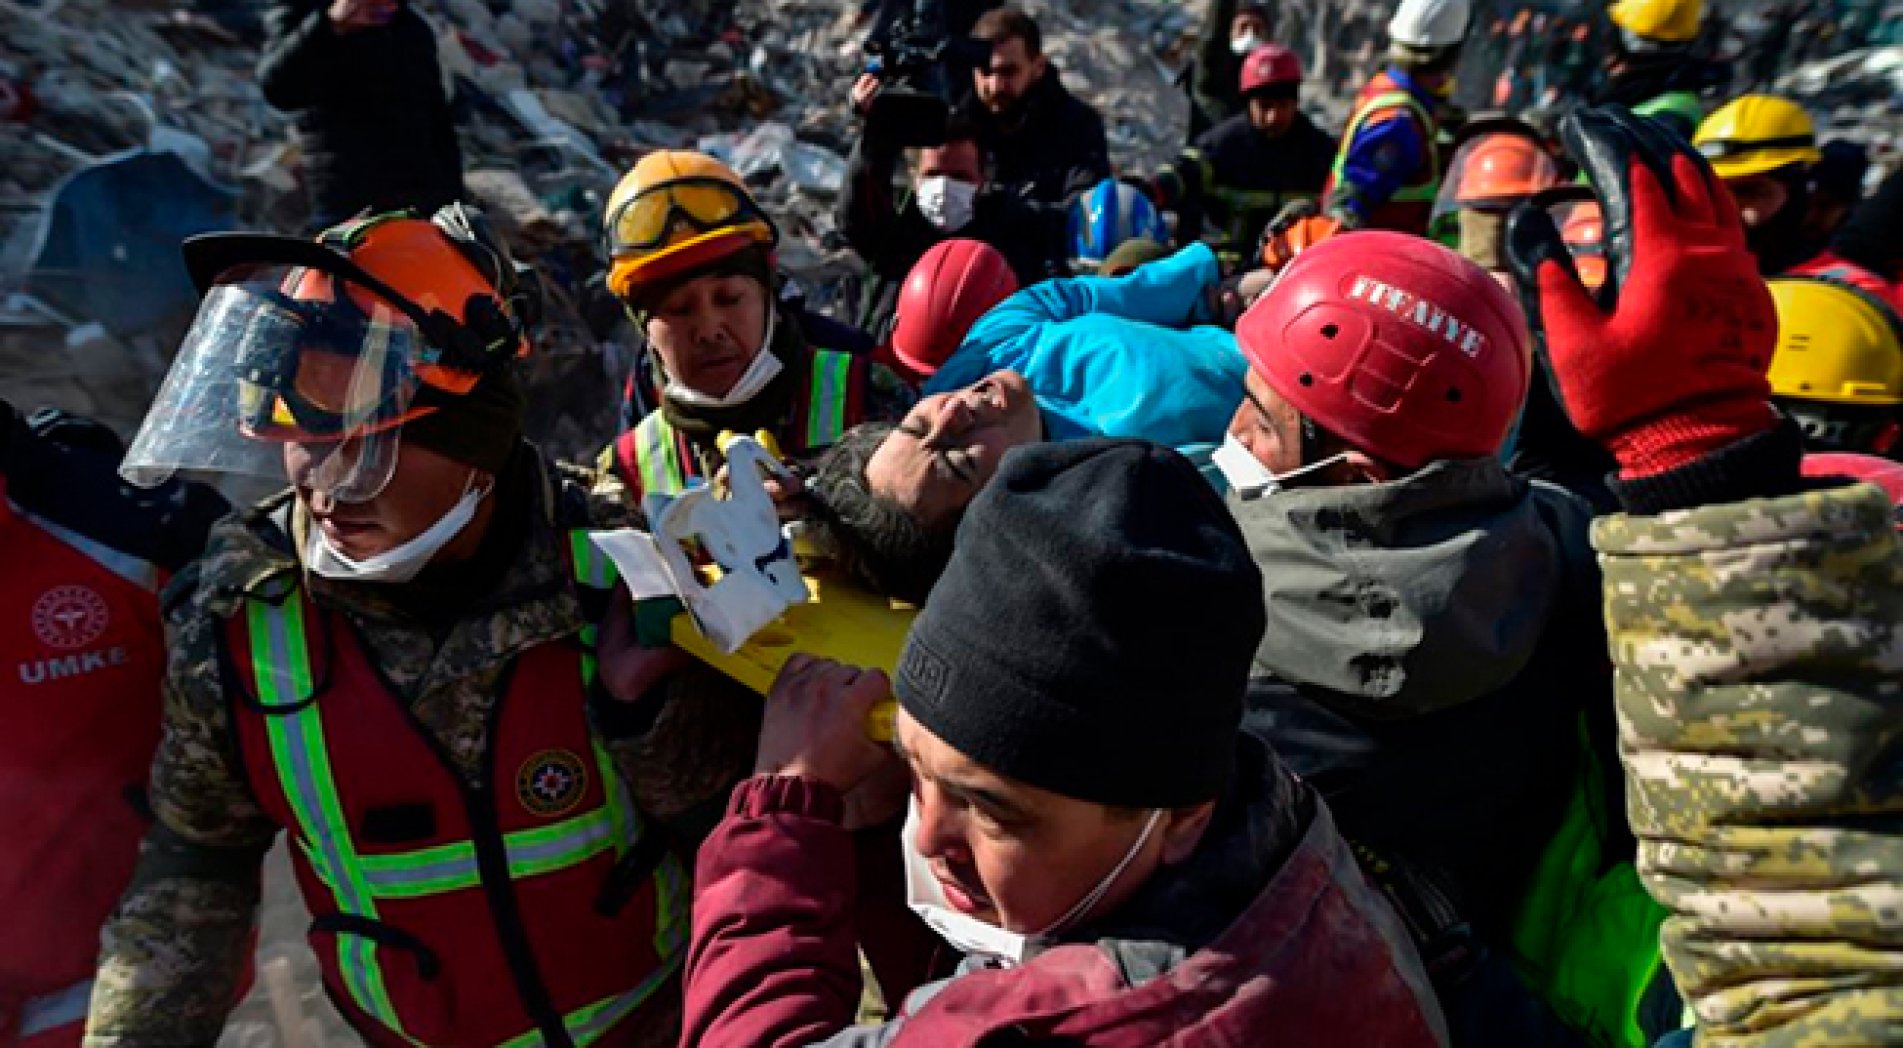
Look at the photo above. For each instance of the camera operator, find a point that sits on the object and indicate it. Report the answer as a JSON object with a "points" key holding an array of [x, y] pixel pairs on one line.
{"points": [[948, 197]]}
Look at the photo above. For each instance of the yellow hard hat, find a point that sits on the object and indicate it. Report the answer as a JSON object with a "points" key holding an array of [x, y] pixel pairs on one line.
{"points": [[1757, 134], [1834, 344], [1665, 21], [677, 211]]}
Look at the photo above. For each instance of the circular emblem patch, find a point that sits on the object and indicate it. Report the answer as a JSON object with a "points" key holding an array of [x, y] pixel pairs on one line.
{"points": [[68, 617], [551, 782]]}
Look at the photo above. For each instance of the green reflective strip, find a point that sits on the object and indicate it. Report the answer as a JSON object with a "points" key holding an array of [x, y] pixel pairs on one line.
{"points": [[626, 824], [587, 1024], [1413, 194], [659, 461], [535, 852], [826, 415], [280, 663], [592, 567], [303, 767], [430, 871], [671, 907]]}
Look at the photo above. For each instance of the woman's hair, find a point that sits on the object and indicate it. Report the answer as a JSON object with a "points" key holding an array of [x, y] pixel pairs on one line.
{"points": [[877, 541]]}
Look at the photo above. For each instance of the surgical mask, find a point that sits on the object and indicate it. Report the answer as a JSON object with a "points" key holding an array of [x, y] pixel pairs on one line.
{"points": [[970, 935], [764, 369], [1250, 479], [947, 203], [397, 565], [1242, 45]]}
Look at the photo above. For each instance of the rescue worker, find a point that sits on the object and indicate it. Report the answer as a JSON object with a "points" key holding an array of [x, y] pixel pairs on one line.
{"points": [[1654, 68], [1045, 143], [1142, 355], [956, 282], [1434, 634], [1497, 163], [1768, 873], [413, 662], [1232, 30], [1388, 170], [1764, 148], [85, 557], [1239, 174], [1112, 214], [692, 260], [1838, 370], [1115, 869]]}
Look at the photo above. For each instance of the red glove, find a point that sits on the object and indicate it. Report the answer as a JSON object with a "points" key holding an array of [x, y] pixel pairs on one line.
{"points": [[1668, 364]]}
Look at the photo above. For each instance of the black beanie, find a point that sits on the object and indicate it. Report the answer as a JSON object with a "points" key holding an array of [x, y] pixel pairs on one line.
{"points": [[1093, 633], [480, 428]]}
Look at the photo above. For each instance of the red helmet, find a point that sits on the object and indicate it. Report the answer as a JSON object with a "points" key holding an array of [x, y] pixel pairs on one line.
{"points": [[1269, 65], [1395, 344], [949, 288], [1870, 469]]}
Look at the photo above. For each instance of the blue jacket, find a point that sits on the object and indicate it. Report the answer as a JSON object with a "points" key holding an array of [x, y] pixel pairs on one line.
{"points": [[1130, 356]]}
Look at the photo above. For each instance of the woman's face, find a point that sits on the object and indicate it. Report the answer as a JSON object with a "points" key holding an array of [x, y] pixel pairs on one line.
{"points": [[708, 331]]}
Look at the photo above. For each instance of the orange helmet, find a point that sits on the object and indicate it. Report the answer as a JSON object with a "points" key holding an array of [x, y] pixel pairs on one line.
{"points": [[1584, 231], [675, 212], [333, 343], [1498, 169]]}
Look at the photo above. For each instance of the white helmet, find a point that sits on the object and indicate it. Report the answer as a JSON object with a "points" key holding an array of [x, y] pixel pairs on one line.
{"points": [[1430, 25]]}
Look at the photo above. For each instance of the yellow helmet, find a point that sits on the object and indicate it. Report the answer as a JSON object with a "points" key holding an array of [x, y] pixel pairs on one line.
{"points": [[1834, 344], [1757, 134], [1664, 21], [677, 211]]}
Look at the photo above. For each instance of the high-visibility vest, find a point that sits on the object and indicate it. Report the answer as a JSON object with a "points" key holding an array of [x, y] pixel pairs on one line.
{"points": [[532, 908], [655, 458], [1406, 211], [84, 656]]}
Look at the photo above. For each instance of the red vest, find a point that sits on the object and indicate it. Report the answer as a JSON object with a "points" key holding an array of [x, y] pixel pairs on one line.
{"points": [[1409, 209], [84, 655], [447, 914]]}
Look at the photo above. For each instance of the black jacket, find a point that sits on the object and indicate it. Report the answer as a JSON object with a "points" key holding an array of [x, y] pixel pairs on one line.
{"points": [[376, 127], [891, 235], [1051, 148], [1432, 644], [1235, 180]]}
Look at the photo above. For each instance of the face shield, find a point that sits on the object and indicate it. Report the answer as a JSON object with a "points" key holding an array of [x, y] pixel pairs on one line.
{"points": [[288, 373], [1498, 163]]}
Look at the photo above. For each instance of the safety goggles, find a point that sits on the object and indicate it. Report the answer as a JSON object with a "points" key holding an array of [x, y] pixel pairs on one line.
{"points": [[659, 216], [1728, 148]]}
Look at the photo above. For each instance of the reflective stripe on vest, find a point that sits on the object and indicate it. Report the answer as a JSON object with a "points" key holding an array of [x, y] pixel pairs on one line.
{"points": [[1413, 193], [51, 1011], [826, 404], [657, 449], [283, 676], [657, 456]]}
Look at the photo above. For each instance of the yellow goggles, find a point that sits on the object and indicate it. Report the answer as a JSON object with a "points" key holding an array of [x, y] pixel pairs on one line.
{"points": [[657, 217]]}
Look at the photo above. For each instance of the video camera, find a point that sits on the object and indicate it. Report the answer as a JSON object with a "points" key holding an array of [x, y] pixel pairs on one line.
{"points": [[911, 59]]}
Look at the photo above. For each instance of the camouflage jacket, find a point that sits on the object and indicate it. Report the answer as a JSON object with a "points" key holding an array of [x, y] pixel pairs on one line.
{"points": [[172, 951], [1759, 651]]}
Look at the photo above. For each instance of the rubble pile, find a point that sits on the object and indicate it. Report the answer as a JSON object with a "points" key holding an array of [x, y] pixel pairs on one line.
{"points": [[555, 98]]}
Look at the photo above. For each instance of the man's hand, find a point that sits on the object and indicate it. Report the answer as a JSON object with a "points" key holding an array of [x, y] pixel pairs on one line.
{"points": [[863, 89], [1292, 232], [349, 16], [1668, 365], [626, 669], [815, 724]]}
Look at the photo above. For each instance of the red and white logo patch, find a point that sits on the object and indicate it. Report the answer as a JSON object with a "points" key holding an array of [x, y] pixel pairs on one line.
{"points": [[68, 617]]}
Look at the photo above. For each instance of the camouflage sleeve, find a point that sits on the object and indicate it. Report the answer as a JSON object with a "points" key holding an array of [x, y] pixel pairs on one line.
{"points": [[1759, 652], [172, 952], [700, 746]]}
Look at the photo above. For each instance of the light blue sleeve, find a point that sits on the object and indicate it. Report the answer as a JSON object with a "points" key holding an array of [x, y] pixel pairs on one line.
{"points": [[1170, 292]]}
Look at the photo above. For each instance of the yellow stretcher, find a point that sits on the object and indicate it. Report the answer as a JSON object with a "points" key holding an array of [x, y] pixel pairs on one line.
{"points": [[842, 622]]}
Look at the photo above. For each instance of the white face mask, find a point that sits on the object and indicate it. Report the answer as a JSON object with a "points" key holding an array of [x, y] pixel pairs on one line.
{"points": [[947, 203], [397, 565], [764, 369], [1249, 478], [970, 935], [1242, 45]]}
